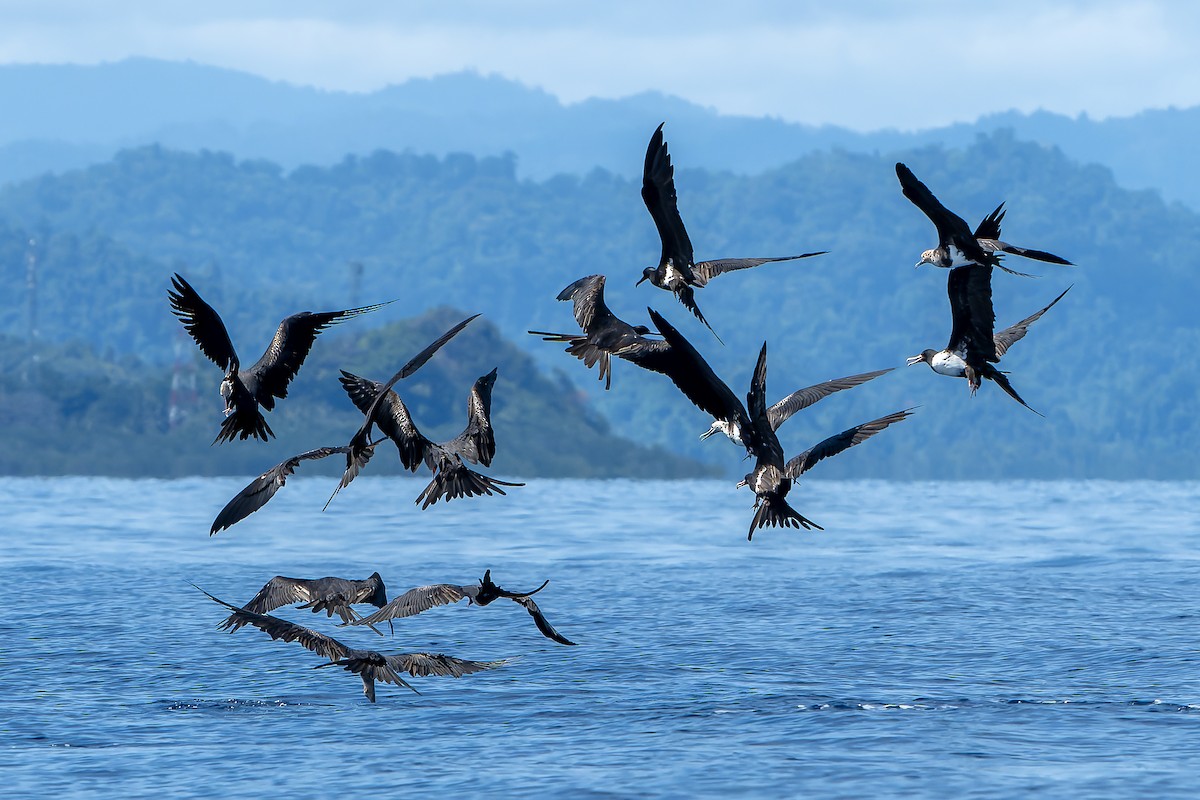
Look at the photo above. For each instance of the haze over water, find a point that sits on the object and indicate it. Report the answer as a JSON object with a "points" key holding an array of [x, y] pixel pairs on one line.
{"points": [[1041, 637]]}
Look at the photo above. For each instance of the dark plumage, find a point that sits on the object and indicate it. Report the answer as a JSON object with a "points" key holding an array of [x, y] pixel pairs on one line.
{"points": [[798, 400], [331, 595], [604, 333], [751, 425], [245, 391], [677, 272], [451, 477], [423, 598], [369, 665], [973, 347], [957, 245]]}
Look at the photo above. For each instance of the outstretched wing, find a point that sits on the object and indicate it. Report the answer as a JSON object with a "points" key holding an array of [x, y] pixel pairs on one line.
{"points": [[424, 665], [263, 488], [658, 192], [970, 291], [477, 442], [417, 600], [707, 270], [391, 417], [680, 362], [280, 591], [270, 375], [842, 441], [801, 399], [1014, 333], [281, 629], [539, 619], [202, 322], [588, 296], [951, 228], [989, 226]]}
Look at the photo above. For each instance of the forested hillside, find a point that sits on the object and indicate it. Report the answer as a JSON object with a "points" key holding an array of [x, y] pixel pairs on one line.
{"points": [[1104, 365]]}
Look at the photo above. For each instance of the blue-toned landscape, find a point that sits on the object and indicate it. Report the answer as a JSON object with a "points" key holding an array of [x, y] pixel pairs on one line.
{"points": [[916, 589]]}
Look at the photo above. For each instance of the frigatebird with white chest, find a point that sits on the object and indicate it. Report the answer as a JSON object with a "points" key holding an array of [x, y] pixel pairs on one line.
{"points": [[957, 245], [677, 272], [247, 390], [604, 333], [751, 424], [974, 347]]}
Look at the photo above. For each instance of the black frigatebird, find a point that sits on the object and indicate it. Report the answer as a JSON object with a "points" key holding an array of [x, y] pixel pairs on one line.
{"points": [[423, 598], [246, 390], [451, 477], [973, 347], [957, 245], [604, 333], [369, 665], [676, 271], [358, 452], [331, 595]]}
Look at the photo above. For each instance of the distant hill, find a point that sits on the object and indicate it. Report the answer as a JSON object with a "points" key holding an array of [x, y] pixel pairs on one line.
{"points": [[63, 117], [1110, 366]]}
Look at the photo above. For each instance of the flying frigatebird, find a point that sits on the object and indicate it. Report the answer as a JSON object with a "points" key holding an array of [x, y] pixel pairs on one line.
{"points": [[476, 444], [957, 245], [358, 452], [329, 594], [677, 272], [604, 333], [369, 665], [973, 347], [247, 390]]}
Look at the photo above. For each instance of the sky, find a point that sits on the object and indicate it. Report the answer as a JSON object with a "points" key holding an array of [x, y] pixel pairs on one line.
{"points": [[864, 65]]}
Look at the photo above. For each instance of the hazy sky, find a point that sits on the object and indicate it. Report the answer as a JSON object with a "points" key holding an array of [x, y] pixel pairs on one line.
{"points": [[863, 64]]}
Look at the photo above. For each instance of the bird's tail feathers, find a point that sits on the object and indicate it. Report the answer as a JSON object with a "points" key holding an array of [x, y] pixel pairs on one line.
{"points": [[775, 512]]}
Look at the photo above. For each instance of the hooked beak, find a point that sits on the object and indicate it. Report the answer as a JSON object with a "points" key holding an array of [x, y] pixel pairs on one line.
{"points": [[639, 283], [911, 360], [708, 433]]}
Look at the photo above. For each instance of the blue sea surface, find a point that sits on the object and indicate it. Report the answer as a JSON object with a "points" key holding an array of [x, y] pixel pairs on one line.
{"points": [[936, 640]]}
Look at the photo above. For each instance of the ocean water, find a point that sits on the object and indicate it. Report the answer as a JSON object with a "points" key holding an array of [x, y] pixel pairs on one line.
{"points": [[936, 640]]}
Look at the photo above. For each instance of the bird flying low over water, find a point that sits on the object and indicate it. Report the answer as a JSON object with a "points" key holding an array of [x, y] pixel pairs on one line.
{"points": [[957, 245], [772, 478], [260, 490], [331, 595], [751, 426], [973, 346], [423, 598], [676, 271], [604, 334], [245, 391], [451, 477], [798, 400], [369, 665]]}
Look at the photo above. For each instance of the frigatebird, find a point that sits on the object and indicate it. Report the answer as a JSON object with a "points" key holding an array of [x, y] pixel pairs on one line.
{"points": [[423, 598], [771, 478], [451, 477], [246, 390], [604, 333], [798, 400], [973, 346], [369, 665], [677, 271], [358, 452], [957, 245], [331, 595]]}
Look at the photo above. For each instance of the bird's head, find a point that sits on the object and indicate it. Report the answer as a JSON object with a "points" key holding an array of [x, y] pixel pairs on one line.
{"points": [[647, 275], [926, 356], [929, 257], [378, 596]]}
